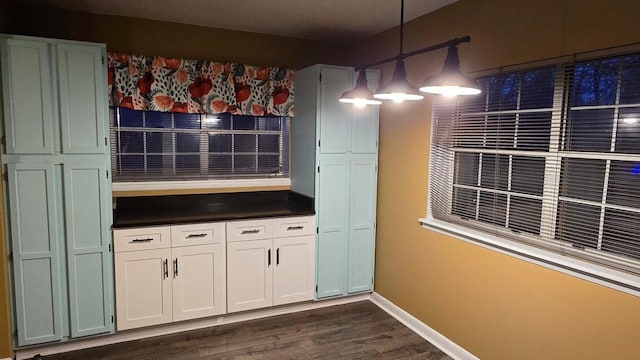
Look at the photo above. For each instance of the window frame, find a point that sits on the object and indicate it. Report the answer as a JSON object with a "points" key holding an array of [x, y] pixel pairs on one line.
{"points": [[195, 181], [532, 251]]}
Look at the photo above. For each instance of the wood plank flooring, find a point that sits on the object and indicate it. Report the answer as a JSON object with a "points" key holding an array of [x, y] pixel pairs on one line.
{"points": [[353, 331]]}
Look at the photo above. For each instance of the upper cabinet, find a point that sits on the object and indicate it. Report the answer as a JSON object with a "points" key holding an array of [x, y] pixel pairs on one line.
{"points": [[345, 129], [55, 95], [82, 94], [27, 81]]}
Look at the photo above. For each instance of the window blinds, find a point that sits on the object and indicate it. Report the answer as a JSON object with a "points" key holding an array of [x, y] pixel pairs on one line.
{"points": [[549, 156], [149, 145]]}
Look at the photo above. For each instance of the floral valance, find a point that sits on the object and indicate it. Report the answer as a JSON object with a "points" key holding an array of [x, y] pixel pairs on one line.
{"points": [[190, 86]]}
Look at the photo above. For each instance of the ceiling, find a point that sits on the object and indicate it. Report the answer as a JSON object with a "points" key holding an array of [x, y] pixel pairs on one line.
{"points": [[341, 21]]}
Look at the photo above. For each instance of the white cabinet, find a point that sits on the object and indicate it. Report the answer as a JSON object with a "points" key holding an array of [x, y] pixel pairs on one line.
{"points": [[169, 273], [199, 288], [143, 288], [294, 272], [250, 275], [270, 262]]}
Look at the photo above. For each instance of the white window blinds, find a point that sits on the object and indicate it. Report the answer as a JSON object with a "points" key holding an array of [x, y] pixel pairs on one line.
{"points": [[548, 156], [151, 145]]}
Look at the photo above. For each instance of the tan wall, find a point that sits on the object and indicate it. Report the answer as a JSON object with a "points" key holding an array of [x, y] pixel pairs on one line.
{"points": [[5, 322], [495, 306]]}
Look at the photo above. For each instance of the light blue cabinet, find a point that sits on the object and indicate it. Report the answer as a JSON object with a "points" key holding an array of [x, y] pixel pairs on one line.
{"points": [[334, 160], [35, 239], [57, 187], [27, 96], [83, 100], [333, 225], [362, 219], [87, 206]]}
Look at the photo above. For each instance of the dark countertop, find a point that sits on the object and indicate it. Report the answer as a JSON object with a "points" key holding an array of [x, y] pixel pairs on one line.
{"points": [[176, 209]]}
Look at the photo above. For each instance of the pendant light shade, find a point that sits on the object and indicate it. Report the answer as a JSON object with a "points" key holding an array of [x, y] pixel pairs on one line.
{"points": [[399, 88], [360, 95], [451, 82]]}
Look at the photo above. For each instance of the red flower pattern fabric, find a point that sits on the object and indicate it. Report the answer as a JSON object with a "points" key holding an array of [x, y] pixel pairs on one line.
{"points": [[190, 86]]}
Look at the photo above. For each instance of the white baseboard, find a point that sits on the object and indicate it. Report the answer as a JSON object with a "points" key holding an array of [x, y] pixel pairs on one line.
{"points": [[180, 327], [440, 341], [5, 359]]}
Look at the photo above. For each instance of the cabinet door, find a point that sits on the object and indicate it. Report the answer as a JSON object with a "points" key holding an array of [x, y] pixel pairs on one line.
{"points": [[199, 281], [333, 219], [27, 96], [362, 224], [293, 274], [250, 275], [364, 128], [87, 196], [35, 237], [143, 288], [83, 108], [335, 117]]}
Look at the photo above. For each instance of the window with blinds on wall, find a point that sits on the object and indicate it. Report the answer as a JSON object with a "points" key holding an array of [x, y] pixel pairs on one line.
{"points": [[157, 146], [549, 156]]}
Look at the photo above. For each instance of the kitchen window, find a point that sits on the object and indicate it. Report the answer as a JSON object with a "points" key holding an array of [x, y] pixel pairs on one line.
{"points": [[159, 146], [548, 157]]}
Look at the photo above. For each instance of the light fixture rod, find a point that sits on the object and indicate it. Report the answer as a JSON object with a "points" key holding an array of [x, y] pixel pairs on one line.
{"points": [[402, 56], [401, 25]]}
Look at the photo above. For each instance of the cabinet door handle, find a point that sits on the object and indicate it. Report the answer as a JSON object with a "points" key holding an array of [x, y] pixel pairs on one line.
{"points": [[269, 257], [255, 231], [196, 235], [175, 268], [278, 256], [166, 268], [140, 240], [299, 227]]}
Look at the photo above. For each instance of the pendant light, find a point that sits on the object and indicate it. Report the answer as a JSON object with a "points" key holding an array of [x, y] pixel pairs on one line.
{"points": [[451, 82], [360, 95], [399, 88]]}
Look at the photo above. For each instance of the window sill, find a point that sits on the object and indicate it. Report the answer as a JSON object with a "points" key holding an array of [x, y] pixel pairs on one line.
{"points": [[614, 279], [175, 187]]}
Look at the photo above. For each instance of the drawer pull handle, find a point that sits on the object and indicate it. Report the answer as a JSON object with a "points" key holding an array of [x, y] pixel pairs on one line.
{"points": [[269, 257], [299, 227], [140, 240], [255, 231], [196, 235]]}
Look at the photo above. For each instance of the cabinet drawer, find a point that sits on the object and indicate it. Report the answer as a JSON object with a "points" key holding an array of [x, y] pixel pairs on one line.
{"points": [[294, 226], [146, 238], [197, 234], [248, 230]]}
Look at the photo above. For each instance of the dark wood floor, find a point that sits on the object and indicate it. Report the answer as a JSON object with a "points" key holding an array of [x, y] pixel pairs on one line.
{"points": [[354, 331]]}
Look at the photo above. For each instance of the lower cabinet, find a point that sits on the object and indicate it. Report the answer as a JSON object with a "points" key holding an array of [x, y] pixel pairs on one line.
{"points": [[143, 288], [169, 273], [346, 203], [181, 272], [270, 262]]}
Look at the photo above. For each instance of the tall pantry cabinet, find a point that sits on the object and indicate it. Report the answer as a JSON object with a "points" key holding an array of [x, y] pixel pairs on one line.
{"points": [[57, 188], [334, 160]]}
